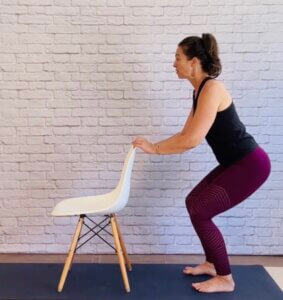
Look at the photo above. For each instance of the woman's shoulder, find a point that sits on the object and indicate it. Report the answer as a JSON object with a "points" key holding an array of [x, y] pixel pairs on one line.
{"points": [[215, 83], [216, 86]]}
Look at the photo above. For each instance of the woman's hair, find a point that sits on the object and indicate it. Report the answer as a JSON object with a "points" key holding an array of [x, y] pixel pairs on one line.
{"points": [[206, 50]]}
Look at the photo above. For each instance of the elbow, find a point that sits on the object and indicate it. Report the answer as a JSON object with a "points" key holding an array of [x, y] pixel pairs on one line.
{"points": [[191, 143], [195, 142]]}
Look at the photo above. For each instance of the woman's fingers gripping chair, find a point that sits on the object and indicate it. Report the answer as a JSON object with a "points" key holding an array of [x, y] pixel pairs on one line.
{"points": [[104, 205]]}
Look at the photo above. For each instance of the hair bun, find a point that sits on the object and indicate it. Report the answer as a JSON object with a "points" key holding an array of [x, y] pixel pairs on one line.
{"points": [[211, 49]]}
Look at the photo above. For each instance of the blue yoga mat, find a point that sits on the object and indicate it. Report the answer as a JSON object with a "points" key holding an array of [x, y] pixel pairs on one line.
{"points": [[147, 281]]}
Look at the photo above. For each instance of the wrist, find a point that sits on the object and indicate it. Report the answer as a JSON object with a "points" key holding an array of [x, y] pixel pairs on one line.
{"points": [[156, 148]]}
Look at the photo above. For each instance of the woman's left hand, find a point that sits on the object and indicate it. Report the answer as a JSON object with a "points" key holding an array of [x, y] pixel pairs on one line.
{"points": [[144, 144]]}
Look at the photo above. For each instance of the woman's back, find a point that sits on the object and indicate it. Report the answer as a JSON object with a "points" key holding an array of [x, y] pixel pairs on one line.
{"points": [[227, 136]]}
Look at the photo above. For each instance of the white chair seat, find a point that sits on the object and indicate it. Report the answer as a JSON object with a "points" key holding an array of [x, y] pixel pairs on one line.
{"points": [[100, 204]]}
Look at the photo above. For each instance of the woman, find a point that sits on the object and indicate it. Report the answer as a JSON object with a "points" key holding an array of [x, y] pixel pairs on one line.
{"points": [[243, 165]]}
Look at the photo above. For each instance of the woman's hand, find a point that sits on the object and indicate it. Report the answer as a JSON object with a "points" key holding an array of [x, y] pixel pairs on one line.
{"points": [[144, 144]]}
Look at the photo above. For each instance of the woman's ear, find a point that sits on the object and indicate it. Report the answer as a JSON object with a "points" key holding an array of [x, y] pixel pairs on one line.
{"points": [[195, 61]]}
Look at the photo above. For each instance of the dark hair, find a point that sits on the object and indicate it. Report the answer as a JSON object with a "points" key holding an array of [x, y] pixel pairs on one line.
{"points": [[206, 50]]}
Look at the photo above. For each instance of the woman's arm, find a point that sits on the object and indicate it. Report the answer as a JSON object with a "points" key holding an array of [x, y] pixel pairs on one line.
{"points": [[175, 144], [196, 126], [151, 148], [173, 139], [168, 139]]}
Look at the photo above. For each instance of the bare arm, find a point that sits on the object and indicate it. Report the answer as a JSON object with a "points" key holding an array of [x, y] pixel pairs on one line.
{"points": [[196, 126], [174, 137], [163, 142]]}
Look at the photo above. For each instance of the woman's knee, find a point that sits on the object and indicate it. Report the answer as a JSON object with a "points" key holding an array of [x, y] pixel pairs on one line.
{"points": [[191, 205], [196, 212], [188, 201]]}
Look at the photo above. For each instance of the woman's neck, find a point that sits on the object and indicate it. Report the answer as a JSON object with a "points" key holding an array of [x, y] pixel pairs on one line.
{"points": [[197, 80]]}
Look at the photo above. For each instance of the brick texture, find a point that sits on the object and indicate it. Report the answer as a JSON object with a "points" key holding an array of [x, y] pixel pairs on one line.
{"points": [[80, 78]]}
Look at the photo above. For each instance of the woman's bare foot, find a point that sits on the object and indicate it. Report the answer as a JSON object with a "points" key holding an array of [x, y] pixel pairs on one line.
{"points": [[216, 284], [205, 268]]}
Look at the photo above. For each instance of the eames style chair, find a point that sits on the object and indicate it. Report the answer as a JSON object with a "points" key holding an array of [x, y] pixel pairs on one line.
{"points": [[101, 205]]}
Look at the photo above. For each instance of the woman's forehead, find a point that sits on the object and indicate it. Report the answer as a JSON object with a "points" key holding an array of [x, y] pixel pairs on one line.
{"points": [[179, 51]]}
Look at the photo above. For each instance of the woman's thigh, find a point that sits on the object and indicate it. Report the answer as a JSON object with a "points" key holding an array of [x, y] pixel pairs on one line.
{"points": [[226, 187], [212, 175], [244, 177]]}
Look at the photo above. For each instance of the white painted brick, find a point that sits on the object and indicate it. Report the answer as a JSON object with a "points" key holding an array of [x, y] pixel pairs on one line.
{"points": [[169, 3], [82, 78], [139, 3], [16, 212], [35, 19], [36, 167], [118, 11], [35, 2], [36, 38], [81, 3], [114, 3], [69, 11], [63, 122]]}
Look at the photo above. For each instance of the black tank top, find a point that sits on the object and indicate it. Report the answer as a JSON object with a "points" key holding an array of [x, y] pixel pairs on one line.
{"points": [[227, 136]]}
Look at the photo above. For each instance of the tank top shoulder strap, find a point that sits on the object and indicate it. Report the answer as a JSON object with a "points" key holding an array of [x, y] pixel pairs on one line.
{"points": [[201, 86], [195, 97]]}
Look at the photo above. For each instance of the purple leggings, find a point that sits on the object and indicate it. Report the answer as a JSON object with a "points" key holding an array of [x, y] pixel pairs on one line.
{"points": [[221, 189]]}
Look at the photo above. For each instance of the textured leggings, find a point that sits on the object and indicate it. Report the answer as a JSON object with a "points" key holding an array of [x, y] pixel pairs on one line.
{"points": [[221, 189]]}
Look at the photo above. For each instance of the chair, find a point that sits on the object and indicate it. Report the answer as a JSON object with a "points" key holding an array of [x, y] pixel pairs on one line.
{"points": [[106, 205]]}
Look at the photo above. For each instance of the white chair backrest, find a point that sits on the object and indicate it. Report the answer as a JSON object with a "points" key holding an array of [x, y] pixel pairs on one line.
{"points": [[122, 190]]}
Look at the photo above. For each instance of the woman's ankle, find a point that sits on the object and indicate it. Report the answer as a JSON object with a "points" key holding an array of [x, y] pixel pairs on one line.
{"points": [[209, 263], [227, 277]]}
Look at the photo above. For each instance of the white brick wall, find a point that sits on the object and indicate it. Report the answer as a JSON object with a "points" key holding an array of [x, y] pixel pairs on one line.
{"points": [[80, 78]]}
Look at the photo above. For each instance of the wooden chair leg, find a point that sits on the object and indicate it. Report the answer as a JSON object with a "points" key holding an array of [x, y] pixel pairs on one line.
{"points": [[70, 256], [126, 256], [120, 254]]}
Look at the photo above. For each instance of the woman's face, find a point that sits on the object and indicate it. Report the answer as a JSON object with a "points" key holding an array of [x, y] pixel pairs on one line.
{"points": [[182, 64]]}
